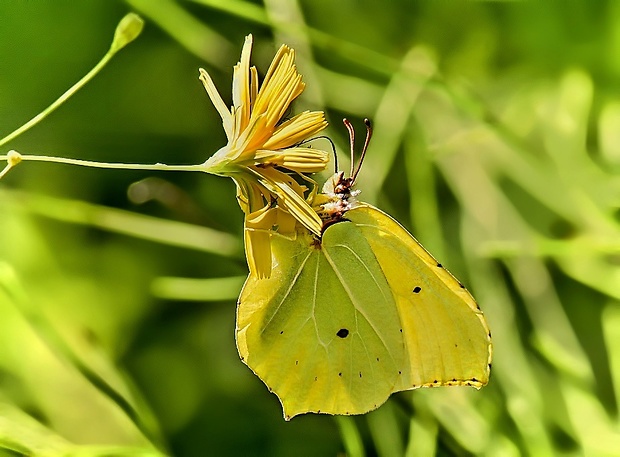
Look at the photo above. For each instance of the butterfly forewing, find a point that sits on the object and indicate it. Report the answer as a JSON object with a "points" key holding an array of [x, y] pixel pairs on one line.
{"points": [[446, 335]]}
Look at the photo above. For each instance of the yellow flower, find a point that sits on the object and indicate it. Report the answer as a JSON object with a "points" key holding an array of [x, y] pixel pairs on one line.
{"points": [[262, 151]]}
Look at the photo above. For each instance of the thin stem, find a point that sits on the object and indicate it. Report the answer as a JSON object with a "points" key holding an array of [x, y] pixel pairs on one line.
{"points": [[47, 111], [127, 30], [6, 170], [92, 164]]}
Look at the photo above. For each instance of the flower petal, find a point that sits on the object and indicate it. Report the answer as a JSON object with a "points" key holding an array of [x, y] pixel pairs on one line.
{"points": [[285, 222], [297, 129], [299, 159], [252, 138], [281, 86], [253, 85], [281, 185], [256, 235], [241, 86], [258, 252], [216, 99], [305, 160]]}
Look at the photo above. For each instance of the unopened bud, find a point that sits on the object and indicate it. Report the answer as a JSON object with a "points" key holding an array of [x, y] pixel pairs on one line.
{"points": [[127, 30], [13, 158]]}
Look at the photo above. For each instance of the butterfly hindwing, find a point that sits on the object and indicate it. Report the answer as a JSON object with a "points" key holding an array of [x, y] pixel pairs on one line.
{"points": [[323, 332]]}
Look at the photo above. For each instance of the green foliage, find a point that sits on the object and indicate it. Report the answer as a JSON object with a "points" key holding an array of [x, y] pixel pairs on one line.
{"points": [[495, 142]]}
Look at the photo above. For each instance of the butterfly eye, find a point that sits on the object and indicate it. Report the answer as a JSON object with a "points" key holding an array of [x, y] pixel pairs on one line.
{"points": [[344, 185]]}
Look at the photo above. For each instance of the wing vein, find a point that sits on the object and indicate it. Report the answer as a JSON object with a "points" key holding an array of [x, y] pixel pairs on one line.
{"points": [[350, 294], [286, 294]]}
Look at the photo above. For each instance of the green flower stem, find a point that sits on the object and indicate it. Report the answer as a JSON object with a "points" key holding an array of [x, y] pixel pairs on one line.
{"points": [[89, 163]]}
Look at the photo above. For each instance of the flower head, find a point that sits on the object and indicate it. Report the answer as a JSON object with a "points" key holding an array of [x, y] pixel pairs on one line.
{"points": [[263, 154]]}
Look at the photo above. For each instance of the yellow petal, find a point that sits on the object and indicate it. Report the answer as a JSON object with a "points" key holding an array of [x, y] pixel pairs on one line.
{"points": [[283, 93], [216, 99], [304, 160], [241, 85], [280, 184], [253, 84], [252, 138], [258, 252], [297, 129], [286, 223], [262, 219], [259, 220], [283, 54], [299, 159], [242, 196], [251, 195], [281, 86]]}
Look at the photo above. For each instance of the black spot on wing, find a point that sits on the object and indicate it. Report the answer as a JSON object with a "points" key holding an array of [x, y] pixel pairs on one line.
{"points": [[439, 265], [416, 289], [342, 333]]}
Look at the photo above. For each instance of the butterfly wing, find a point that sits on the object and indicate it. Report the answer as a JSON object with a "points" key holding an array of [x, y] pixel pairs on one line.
{"points": [[342, 324], [323, 332], [446, 335]]}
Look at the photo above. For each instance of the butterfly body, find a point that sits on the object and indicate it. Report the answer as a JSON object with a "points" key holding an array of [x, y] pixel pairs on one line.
{"points": [[365, 311]]}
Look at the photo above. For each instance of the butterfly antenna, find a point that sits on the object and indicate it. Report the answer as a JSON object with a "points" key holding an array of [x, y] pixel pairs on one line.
{"points": [[349, 127], [325, 137], [334, 151], [366, 143]]}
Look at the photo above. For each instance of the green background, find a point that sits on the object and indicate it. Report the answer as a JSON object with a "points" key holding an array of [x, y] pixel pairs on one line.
{"points": [[496, 143]]}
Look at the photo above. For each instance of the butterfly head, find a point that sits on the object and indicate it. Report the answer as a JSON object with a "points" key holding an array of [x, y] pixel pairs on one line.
{"points": [[338, 195]]}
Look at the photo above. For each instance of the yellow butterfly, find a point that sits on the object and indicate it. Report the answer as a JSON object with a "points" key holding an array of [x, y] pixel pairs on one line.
{"points": [[363, 311]]}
